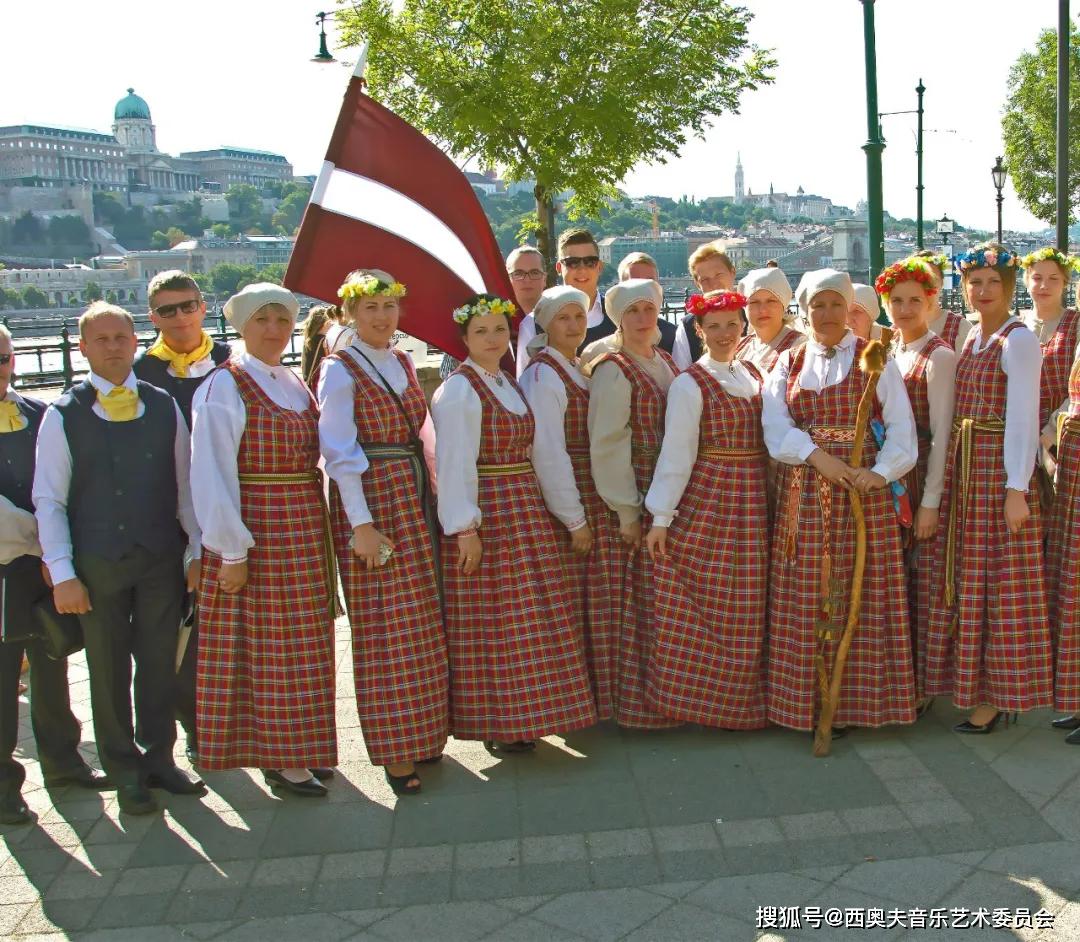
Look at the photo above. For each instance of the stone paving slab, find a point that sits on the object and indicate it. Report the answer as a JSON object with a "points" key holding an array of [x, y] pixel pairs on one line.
{"points": [[601, 835]]}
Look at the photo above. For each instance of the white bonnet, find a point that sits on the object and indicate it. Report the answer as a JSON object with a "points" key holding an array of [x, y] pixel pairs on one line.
{"points": [[621, 295], [824, 279], [766, 279], [242, 305]]}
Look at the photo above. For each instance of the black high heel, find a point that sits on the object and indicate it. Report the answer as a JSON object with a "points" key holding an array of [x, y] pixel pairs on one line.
{"points": [[403, 784], [522, 745], [1066, 722], [987, 728]]}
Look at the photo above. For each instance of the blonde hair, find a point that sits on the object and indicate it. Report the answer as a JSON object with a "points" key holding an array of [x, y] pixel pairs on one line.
{"points": [[348, 305], [100, 309], [636, 258], [5, 334], [711, 250]]}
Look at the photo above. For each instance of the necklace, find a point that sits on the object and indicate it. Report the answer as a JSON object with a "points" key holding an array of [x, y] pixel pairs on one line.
{"points": [[496, 378]]}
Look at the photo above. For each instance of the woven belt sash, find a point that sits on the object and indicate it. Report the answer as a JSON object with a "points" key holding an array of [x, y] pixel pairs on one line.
{"points": [[1067, 424], [840, 434], [503, 470], [306, 477], [733, 454], [964, 431]]}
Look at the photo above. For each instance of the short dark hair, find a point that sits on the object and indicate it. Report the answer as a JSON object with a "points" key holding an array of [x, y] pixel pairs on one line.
{"points": [[174, 280], [577, 236]]}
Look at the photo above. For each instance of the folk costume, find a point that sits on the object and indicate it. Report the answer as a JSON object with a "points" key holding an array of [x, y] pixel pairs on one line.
{"points": [[516, 651], [558, 395], [709, 489], [111, 493], [266, 653], [1059, 338], [378, 443], [988, 640], [952, 328], [56, 730], [751, 348], [626, 428], [811, 400]]}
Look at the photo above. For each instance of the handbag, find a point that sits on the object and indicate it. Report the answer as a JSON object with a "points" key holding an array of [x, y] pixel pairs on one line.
{"points": [[61, 635]]}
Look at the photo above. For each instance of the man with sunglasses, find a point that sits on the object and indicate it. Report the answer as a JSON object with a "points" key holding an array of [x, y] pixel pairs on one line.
{"points": [[56, 731], [178, 361], [580, 267]]}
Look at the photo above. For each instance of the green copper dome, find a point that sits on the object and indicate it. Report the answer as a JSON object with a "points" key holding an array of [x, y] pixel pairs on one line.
{"points": [[132, 106]]}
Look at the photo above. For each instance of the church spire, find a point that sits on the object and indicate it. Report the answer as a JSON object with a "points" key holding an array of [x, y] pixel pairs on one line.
{"points": [[739, 191]]}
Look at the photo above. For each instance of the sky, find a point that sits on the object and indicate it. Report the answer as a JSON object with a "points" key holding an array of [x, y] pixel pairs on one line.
{"points": [[236, 72]]}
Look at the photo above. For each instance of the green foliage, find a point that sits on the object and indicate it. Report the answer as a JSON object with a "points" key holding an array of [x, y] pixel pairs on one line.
{"points": [[10, 299], [273, 273], [109, 208], [223, 230], [569, 93], [33, 297], [110, 296], [27, 229], [291, 210], [227, 278], [92, 292], [1029, 125], [245, 206]]}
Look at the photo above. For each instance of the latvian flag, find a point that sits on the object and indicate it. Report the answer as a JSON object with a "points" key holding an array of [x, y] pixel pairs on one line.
{"points": [[388, 198]]}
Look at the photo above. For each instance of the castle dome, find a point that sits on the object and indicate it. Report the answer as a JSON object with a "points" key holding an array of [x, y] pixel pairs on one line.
{"points": [[132, 106]]}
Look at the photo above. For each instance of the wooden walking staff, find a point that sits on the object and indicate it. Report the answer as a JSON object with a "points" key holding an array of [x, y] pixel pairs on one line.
{"points": [[873, 361]]}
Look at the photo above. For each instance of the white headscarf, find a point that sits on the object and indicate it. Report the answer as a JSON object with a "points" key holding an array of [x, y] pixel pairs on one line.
{"points": [[620, 296], [242, 305], [551, 302], [866, 298], [824, 279], [766, 279]]}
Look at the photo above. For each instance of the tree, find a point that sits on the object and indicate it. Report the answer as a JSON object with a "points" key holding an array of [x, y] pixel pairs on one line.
{"points": [[32, 297], [227, 278], [1029, 125], [10, 299], [92, 292], [222, 230], [571, 94], [291, 209], [274, 273], [110, 296], [245, 206], [108, 207], [27, 230]]}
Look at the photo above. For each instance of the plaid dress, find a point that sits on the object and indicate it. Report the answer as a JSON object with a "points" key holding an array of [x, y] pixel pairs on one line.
{"points": [[399, 644], [920, 555], [992, 644], [265, 684], [951, 330], [633, 582], [596, 603], [1063, 557], [1057, 363], [813, 554], [768, 360], [517, 656], [706, 666]]}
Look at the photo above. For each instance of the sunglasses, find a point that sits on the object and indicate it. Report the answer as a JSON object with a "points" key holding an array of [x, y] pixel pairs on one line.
{"points": [[189, 306], [577, 261], [6, 358]]}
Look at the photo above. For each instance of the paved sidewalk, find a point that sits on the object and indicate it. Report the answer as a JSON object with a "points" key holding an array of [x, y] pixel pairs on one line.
{"points": [[606, 835]]}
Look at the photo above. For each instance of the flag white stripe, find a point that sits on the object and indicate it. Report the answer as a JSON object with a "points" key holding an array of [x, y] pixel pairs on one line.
{"points": [[367, 200]]}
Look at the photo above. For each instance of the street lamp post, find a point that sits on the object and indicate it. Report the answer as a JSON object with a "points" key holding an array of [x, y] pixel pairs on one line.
{"points": [[323, 55], [997, 173], [920, 90], [873, 147], [945, 229]]}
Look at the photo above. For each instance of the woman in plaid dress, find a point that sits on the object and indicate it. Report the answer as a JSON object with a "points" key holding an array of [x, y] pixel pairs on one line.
{"points": [[558, 395], [768, 295], [928, 365], [950, 327], [265, 683], [709, 536], [378, 441], [988, 644], [810, 403], [517, 656], [626, 427]]}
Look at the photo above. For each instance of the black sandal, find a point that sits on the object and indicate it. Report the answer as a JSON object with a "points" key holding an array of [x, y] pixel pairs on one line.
{"points": [[400, 784], [520, 745]]}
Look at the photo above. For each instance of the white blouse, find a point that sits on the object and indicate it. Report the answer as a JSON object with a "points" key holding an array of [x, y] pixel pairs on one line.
{"points": [[457, 412], [792, 445], [757, 351], [218, 421], [1021, 361], [342, 452], [526, 332], [682, 430], [941, 396], [546, 393], [18, 527]]}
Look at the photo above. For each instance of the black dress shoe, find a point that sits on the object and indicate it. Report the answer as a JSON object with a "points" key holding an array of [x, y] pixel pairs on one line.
{"points": [[1066, 722], [13, 810], [322, 773], [312, 788], [176, 781], [136, 799], [985, 729], [85, 777], [1073, 739]]}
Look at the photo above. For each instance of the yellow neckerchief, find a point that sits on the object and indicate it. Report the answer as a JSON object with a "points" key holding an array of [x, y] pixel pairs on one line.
{"points": [[181, 361], [11, 419], [120, 404]]}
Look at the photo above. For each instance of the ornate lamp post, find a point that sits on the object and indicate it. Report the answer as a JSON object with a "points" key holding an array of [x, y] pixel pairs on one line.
{"points": [[323, 55], [945, 229], [998, 173]]}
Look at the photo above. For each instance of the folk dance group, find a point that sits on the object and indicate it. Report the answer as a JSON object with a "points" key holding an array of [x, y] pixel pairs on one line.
{"points": [[619, 533]]}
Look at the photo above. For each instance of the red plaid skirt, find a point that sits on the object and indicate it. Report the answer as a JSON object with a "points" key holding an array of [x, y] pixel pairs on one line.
{"points": [[517, 660], [265, 684], [399, 644], [706, 665], [814, 519], [1063, 568], [992, 646]]}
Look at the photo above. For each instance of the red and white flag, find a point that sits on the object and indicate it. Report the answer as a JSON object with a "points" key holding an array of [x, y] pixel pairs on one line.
{"points": [[388, 198]]}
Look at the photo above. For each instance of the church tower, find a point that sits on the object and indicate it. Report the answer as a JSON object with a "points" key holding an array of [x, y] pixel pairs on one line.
{"points": [[132, 125], [739, 191]]}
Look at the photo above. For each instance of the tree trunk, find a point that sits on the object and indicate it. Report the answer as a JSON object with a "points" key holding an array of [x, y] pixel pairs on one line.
{"points": [[545, 233]]}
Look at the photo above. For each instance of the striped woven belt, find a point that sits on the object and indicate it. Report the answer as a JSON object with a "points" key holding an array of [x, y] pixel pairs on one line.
{"points": [[733, 454], [964, 431], [833, 433], [645, 452], [1067, 424], [388, 451], [503, 470], [300, 477]]}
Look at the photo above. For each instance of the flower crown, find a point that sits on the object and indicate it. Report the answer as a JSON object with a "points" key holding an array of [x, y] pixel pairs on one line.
{"points": [[909, 269], [941, 262], [985, 258], [369, 287], [699, 305], [463, 314], [1050, 254]]}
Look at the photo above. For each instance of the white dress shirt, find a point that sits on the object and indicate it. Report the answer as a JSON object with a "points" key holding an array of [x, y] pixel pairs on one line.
{"points": [[18, 527], [1021, 361], [546, 393], [792, 445], [342, 452], [52, 482], [218, 420], [680, 350], [526, 332], [457, 412], [682, 431], [937, 325], [941, 395]]}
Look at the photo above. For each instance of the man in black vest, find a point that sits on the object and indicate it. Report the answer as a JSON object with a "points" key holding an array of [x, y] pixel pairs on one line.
{"points": [[111, 491], [712, 270], [178, 361], [56, 731], [580, 267]]}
